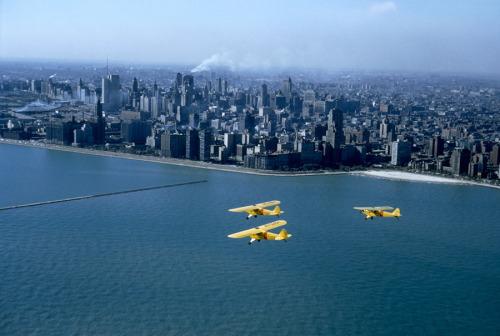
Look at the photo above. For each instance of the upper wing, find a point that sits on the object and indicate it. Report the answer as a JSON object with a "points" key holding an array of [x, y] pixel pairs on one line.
{"points": [[259, 229], [255, 206], [374, 208]]}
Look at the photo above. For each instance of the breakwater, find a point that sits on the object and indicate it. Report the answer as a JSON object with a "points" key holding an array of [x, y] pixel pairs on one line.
{"points": [[99, 195]]}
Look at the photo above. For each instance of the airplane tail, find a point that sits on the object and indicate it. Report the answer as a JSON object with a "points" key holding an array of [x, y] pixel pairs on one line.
{"points": [[277, 211], [396, 213], [283, 235]]}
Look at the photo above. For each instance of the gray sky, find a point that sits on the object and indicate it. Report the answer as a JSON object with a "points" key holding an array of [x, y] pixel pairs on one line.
{"points": [[458, 36]]}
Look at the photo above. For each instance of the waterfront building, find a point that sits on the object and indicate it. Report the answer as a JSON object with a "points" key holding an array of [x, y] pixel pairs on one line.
{"points": [[436, 146], [173, 145], [135, 131], [495, 155], [460, 160], [400, 152], [205, 142], [230, 143], [192, 144]]}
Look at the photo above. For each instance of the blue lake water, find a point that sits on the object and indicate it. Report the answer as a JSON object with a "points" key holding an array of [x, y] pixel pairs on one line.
{"points": [[159, 262]]}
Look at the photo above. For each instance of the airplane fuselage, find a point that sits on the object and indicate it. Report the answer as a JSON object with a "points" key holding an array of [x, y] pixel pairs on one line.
{"points": [[259, 212], [378, 213], [264, 235]]}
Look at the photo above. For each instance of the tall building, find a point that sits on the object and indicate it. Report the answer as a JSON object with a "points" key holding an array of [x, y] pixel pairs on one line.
{"points": [[400, 152], [495, 155], [335, 132], [460, 159], [286, 88], [134, 96], [135, 131], [99, 125], [436, 146], [309, 96], [178, 80], [188, 80], [205, 142], [173, 145], [264, 96], [247, 122], [336, 118], [386, 128], [111, 92], [230, 142], [218, 85], [192, 144], [225, 88]]}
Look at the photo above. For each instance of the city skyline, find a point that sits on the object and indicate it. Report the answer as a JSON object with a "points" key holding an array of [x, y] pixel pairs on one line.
{"points": [[447, 36]]}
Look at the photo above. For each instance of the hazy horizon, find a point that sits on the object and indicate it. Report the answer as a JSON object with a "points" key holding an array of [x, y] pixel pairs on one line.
{"points": [[445, 36]]}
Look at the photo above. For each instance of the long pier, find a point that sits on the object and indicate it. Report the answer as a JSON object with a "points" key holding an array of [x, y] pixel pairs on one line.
{"points": [[98, 195]]}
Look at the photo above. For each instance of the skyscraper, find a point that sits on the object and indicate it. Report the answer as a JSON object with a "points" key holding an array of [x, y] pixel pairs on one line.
{"points": [[385, 128], [495, 155], [460, 159], [247, 122], [436, 146], [99, 125], [336, 118], [218, 85], [205, 142], [192, 144], [286, 88], [111, 92], [264, 96], [400, 152], [335, 131]]}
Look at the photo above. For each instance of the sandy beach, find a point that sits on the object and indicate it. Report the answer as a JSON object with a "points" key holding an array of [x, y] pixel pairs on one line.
{"points": [[386, 174], [414, 177]]}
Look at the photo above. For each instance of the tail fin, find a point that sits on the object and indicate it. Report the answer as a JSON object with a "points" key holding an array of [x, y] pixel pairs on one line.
{"points": [[277, 211], [283, 235], [396, 213]]}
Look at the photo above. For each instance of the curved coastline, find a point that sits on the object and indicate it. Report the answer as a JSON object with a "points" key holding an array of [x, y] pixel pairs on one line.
{"points": [[384, 174], [164, 160]]}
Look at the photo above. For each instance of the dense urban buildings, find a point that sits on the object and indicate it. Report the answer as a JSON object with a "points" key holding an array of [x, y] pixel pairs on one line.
{"points": [[436, 123]]}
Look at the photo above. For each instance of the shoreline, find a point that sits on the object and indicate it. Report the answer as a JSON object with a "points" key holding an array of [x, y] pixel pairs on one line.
{"points": [[415, 177], [164, 160], [383, 174]]}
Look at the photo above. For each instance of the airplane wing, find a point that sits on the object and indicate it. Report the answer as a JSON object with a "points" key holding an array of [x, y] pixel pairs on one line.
{"points": [[259, 229], [255, 206], [374, 208]]}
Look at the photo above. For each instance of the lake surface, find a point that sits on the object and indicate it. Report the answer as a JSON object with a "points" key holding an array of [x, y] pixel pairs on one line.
{"points": [[159, 262]]}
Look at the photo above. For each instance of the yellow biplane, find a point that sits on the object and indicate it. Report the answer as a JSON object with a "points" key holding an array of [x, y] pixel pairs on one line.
{"points": [[258, 209], [261, 232], [371, 212]]}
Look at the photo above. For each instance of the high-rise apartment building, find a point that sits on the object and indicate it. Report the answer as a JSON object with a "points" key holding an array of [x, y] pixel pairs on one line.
{"points": [[173, 145], [205, 142], [460, 159], [400, 152], [192, 144], [436, 146]]}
